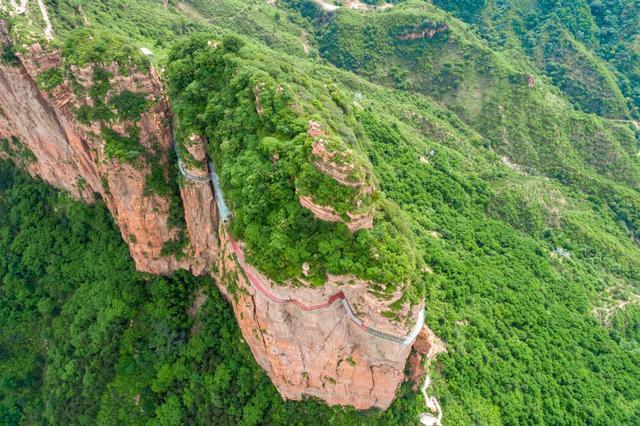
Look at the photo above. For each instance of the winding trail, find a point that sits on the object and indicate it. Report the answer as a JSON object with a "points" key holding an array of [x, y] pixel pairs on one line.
{"points": [[635, 123], [259, 285], [21, 9], [48, 29], [432, 405]]}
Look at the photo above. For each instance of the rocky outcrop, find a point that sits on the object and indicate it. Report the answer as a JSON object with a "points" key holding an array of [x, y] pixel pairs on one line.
{"points": [[423, 33], [362, 221], [328, 214], [200, 211], [71, 156], [335, 160], [318, 353], [302, 337], [428, 344], [329, 163], [336, 163], [256, 92], [425, 349]]}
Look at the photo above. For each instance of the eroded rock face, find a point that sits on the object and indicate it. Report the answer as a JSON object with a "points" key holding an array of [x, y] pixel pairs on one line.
{"points": [[424, 33], [200, 212], [329, 164], [70, 156], [428, 344], [338, 164], [318, 353], [425, 349], [28, 117]]}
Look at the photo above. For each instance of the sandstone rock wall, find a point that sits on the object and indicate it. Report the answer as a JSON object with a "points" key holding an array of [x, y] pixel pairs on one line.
{"points": [[201, 213], [318, 353], [306, 353], [27, 115], [70, 156]]}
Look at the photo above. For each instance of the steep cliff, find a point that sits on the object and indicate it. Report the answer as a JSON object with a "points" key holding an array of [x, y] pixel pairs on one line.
{"points": [[304, 336], [102, 129], [316, 353], [41, 128], [319, 267]]}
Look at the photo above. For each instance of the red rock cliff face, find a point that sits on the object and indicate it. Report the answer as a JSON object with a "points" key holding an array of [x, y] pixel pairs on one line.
{"points": [[306, 353], [319, 353], [29, 116], [201, 212], [70, 155]]}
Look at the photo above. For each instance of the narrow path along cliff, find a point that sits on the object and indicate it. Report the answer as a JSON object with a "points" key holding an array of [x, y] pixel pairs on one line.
{"points": [[257, 283]]}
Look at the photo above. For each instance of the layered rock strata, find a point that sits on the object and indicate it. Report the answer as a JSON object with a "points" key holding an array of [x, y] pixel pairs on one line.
{"points": [[424, 33], [339, 166]]}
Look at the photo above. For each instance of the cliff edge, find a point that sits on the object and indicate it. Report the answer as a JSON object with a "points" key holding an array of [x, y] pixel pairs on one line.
{"points": [[104, 130]]}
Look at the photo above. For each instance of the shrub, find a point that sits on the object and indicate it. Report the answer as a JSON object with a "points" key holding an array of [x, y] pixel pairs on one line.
{"points": [[130, 105], [50, 79]]}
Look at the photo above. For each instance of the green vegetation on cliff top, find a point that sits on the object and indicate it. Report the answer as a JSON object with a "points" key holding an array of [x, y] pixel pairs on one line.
{"points": [[255, 111], [492, 144]]}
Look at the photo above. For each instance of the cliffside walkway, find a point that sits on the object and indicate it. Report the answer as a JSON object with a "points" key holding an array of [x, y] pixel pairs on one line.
{"points": [[635, 123], [260, 286], [183, 170]]}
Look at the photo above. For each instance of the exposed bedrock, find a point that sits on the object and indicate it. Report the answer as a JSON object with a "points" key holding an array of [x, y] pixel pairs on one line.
{"points": [[40, 132], [201, 213], [307, 353], [318, 353]]}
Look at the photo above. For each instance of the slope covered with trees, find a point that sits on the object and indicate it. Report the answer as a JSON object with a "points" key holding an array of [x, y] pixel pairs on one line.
{"points": [[87, 340], [603, 34], [491, 132]]}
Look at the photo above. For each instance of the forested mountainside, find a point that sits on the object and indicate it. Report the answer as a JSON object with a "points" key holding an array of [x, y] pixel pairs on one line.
{"points": [[88, 340], [480, 158]]}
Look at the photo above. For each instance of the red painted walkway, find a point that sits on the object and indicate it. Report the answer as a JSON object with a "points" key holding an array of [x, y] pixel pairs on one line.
{"points": [[259, 284]]}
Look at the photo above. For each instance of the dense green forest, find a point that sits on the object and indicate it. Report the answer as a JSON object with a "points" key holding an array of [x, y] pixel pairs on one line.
{"points": [[499, 135], [88, 340]]}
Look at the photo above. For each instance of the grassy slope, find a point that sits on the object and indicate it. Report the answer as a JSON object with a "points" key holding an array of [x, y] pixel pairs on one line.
{"points": [[534, 126], [608, 30]]}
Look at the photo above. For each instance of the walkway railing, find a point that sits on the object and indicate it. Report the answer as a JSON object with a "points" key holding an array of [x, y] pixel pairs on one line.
{"points": [[259, 285], [183, 169]]}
